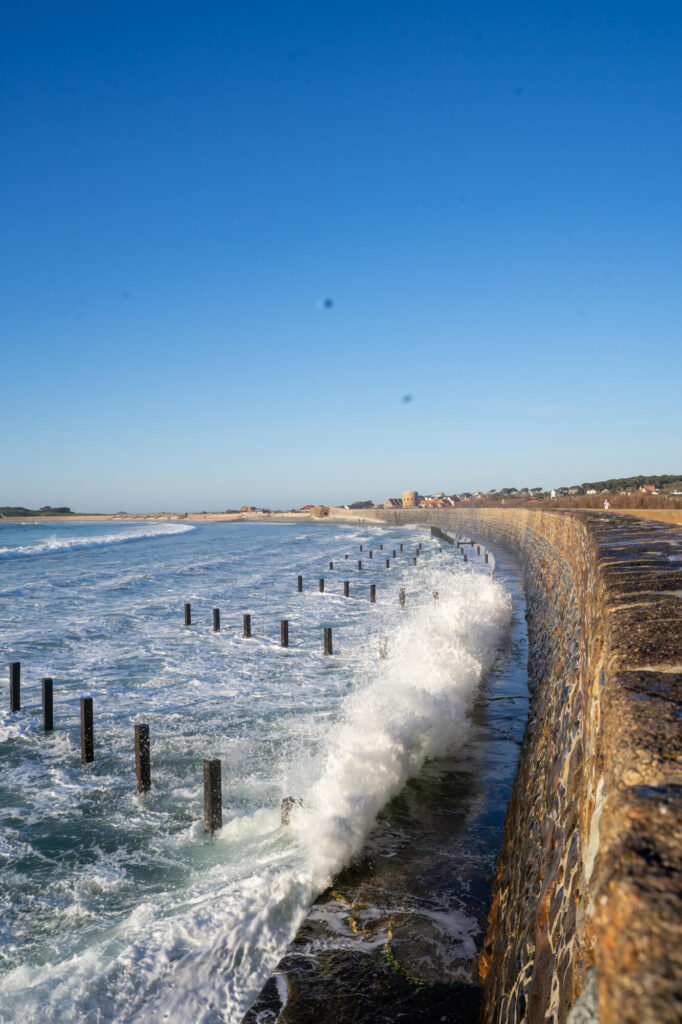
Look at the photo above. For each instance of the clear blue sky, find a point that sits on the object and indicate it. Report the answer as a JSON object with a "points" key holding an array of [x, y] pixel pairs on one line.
{"points": [[489, 193]]}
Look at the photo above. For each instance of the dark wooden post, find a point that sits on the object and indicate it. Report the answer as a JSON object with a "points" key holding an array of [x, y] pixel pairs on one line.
{"points": [[359, 564], [216, 620], [435, 595], [388, 563], [87, 731], [300, 584], [401, 596], [361, 547], [188, 615], [372, 592], [401, 547], [346, 557], [321, 585], [381, 547], [394, 554], [371, 554], [15, 686], [288, 804], [284, 632], [328, 640], [213, 798], [420, 546], [346, 588], [331, 565], [142, 761], [478, 549], [247, 625], [414, 561], [48, 714], [486, 556], [465, 558]]}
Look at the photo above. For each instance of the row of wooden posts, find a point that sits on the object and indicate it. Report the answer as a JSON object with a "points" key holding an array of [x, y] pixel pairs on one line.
{"points": [[284, 623], [212, 767]]}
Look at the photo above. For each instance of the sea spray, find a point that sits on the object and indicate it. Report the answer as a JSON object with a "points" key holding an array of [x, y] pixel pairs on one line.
{"points": [[412, 707]]}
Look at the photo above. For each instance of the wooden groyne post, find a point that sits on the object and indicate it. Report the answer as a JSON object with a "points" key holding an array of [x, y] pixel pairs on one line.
{"points": [[328, 640], [284, 632], [373, 592], [213, 797], [15, 686], [142, 759], [87, 731], [401, 596], [188, 615], [346, 588], [247, 625], [216, 620], [300, 584], [48, 715]]}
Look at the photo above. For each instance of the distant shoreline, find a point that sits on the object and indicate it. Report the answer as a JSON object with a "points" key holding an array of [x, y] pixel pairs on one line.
{"points": [[166, 517], [335, 515]]}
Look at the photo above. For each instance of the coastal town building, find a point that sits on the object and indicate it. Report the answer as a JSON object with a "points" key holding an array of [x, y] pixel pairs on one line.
{"points": [[410, 499], [436, 503], [393, 503]]}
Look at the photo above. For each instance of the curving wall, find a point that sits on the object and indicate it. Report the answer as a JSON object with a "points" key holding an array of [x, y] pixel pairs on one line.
{"points": [[587, 898]]}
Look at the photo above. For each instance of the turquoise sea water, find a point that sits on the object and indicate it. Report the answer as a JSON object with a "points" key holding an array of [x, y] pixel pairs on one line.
{"points": [[117, 906]]}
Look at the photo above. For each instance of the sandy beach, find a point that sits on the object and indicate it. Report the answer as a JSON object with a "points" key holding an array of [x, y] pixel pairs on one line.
{"points": [[166, 517]]}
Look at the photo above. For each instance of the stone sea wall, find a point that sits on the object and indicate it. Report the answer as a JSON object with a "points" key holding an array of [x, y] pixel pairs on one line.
{"points": [[587, 904]]}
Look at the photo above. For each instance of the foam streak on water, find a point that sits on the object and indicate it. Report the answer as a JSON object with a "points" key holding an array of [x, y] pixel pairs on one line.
{"points": [[117, 907]]}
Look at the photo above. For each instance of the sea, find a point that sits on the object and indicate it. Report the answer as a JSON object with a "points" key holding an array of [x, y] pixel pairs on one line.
{"points": [[117, 905]]}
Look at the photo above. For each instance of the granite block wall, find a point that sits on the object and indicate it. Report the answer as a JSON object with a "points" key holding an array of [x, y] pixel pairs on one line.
{"points": [[587, 897]]}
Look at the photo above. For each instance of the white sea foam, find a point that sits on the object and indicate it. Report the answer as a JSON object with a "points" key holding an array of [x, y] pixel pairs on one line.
{"points": [[56, 543], [413, 709], [152, 920]]}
